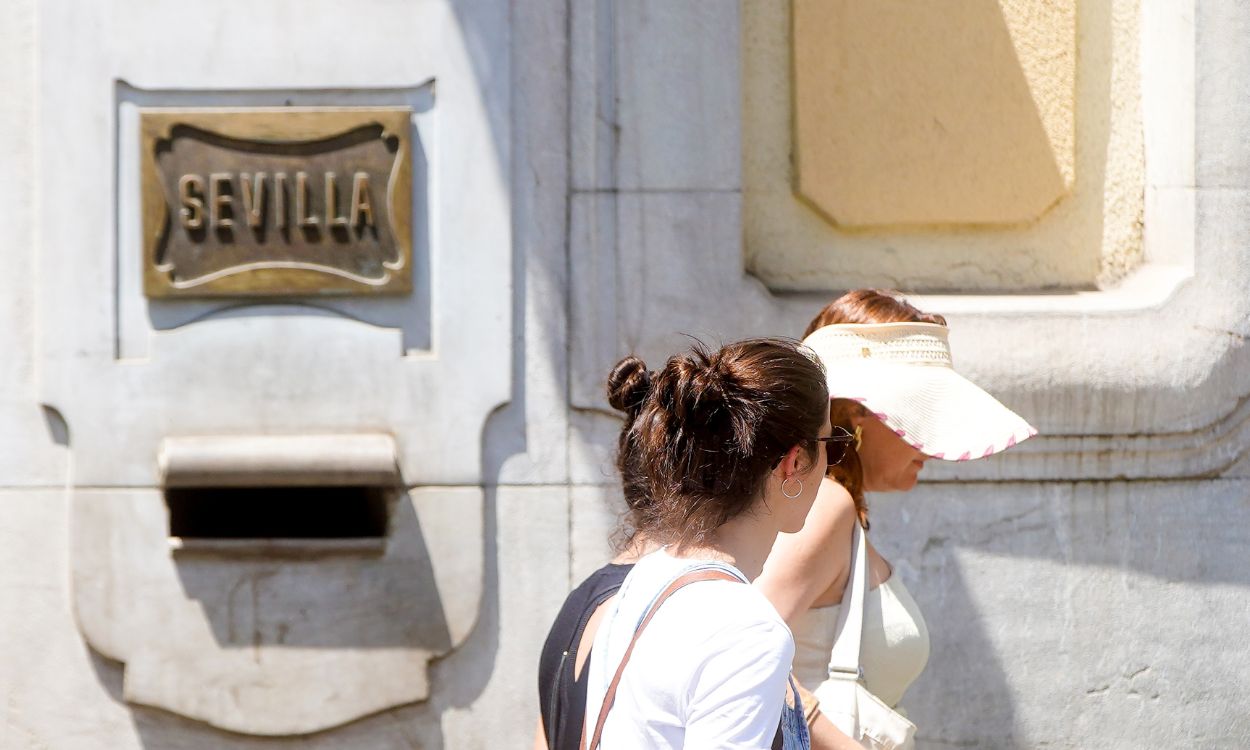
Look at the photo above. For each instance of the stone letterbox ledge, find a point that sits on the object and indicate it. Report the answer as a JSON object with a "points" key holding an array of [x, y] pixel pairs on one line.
{"points": [[279, 460]]}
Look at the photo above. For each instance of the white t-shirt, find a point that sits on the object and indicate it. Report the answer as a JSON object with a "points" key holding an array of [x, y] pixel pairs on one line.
{"points": [[708, 672]]}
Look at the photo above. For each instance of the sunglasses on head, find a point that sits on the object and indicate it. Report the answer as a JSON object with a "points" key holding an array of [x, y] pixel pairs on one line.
{"points": [[836, 444]]}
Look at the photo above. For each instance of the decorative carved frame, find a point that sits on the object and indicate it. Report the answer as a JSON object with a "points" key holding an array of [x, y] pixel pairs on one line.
{"points": [[277, 125]]}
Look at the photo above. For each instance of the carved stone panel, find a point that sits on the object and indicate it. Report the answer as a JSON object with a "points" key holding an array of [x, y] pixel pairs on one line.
{"points": [[276, 645], [230, 620]]}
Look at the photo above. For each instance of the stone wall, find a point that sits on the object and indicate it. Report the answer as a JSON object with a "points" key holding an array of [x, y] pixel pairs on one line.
{"points": [[1087, 589]]}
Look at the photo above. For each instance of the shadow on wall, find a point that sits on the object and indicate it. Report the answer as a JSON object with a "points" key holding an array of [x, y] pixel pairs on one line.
{"points": [[413, 618], [337, 602], [895, 144], [1097, 600]]}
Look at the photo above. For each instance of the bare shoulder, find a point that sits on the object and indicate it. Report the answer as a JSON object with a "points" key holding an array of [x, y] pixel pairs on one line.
{"points": [[833, 514], [805, 565]]}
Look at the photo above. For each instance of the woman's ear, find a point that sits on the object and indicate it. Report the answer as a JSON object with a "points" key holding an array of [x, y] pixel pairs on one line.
{"points": [[791, 463]]}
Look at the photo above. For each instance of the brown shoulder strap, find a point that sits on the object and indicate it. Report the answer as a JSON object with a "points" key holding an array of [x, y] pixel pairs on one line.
{"points": [[610, 696]]}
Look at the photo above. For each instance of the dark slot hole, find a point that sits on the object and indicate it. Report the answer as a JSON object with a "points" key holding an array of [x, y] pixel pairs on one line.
{"points": [[277, 512]]}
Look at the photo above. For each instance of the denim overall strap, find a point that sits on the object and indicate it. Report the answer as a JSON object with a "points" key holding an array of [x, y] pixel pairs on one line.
{"points": [[794, 735]]}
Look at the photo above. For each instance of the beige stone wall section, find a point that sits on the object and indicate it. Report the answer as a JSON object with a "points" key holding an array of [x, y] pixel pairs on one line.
{"points": [[1088, 239], [911, 113]]}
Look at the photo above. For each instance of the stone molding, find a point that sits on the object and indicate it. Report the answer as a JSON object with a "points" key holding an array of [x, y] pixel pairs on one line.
{"points": [[1142, 380]]}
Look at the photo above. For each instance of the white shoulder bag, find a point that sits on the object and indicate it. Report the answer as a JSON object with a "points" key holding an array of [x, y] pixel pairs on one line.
{"points": [[844, 700]]}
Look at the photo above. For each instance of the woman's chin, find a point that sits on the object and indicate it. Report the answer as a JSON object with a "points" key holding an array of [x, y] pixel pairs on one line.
{"points": [[905, 483]]}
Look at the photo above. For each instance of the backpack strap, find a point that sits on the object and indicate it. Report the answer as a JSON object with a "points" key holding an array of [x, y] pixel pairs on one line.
{"points": [[610, 696]]}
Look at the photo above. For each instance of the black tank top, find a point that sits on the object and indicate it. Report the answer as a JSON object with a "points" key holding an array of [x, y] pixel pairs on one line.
{"points": [[561, 697]]}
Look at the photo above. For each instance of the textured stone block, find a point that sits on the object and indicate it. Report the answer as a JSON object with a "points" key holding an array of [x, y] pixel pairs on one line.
{"points": [[1075, 616], [932, 113], [596, 513], [651, 89], [276, 646]]}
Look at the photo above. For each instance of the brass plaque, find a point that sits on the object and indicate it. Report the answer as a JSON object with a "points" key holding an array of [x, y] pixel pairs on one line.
{"points": [[276, 201]]}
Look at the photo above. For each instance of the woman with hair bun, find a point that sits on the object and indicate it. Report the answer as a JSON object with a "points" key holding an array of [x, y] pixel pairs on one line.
{"points": [[892, 387], [730, 445]]}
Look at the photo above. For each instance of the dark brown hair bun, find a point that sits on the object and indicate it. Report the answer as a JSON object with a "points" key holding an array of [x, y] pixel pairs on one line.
{"points": [[628, 385]]}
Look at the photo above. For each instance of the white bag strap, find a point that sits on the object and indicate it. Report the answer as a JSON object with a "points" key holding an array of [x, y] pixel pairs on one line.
{"points": [[844, 656]]}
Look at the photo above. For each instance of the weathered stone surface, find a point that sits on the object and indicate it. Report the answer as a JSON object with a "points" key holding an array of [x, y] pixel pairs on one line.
{"points": [[592, 447], [29, 454], [596, 513], [1076, 615], [636, 123], [1066, 612], [530, 435], [1222, 84], [532, 560], [276, 646], [52, 697], [62, 695], [87, 311]]}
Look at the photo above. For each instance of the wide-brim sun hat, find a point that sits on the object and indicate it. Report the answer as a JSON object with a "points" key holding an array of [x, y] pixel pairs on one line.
{"points": [[903, 375]]}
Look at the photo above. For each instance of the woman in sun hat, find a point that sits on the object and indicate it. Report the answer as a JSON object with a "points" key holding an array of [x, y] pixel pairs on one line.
{"points": [[896, 399]]}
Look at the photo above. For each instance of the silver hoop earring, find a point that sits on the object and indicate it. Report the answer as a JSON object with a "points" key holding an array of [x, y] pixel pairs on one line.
{"points": [[787, 494]]}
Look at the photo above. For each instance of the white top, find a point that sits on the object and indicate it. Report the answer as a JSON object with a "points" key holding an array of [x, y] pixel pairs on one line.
{"points": [[894, 647], [708, 672]]}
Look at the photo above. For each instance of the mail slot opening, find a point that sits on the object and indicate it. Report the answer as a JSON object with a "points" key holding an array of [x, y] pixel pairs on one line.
{"points": [[350, 512], [268, 495]]}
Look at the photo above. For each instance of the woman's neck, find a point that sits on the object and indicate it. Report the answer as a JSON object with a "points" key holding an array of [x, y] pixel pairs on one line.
{"points": [[638, 547], [743, 541]]}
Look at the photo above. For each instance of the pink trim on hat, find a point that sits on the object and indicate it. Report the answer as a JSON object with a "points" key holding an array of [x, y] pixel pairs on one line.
{"points": [[938, 455], [1011, 441], [988, 452], [967, 456], [901, 433], [880, 415]]}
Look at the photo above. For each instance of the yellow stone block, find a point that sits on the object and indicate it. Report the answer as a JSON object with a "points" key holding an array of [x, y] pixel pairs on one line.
{"points": [[988, 146], [934, 112]]}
